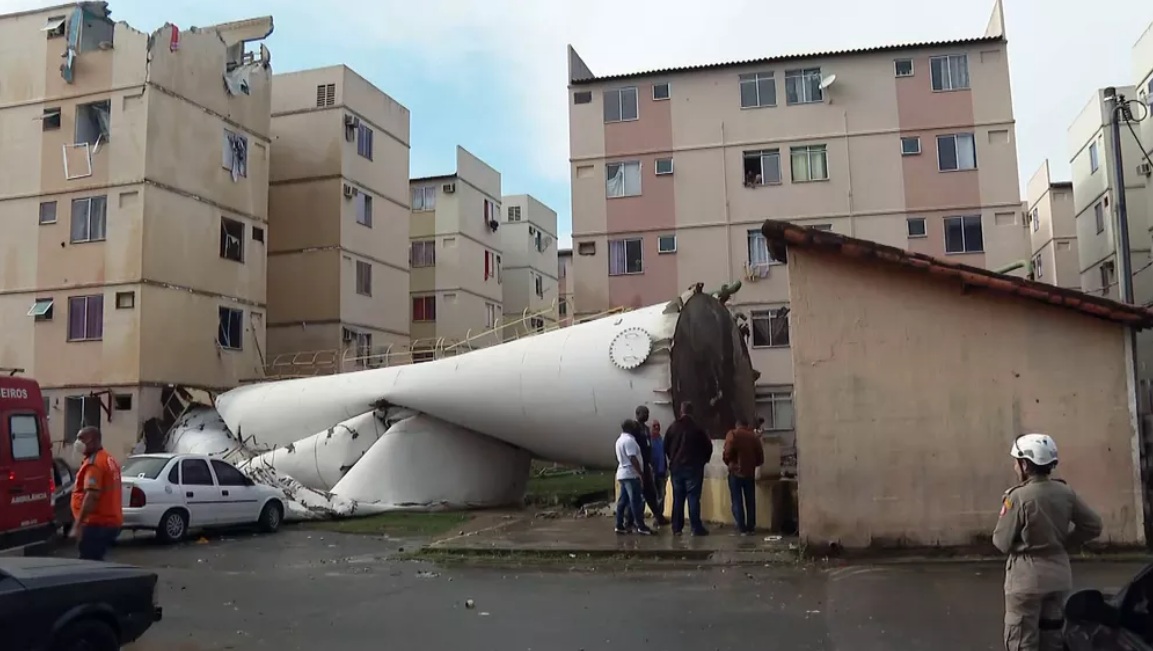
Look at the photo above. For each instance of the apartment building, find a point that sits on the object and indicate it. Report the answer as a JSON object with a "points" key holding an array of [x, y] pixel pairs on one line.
{"points": [[456, 266], [564, 302], [134, 200], [1052, 227], [1095, 192], [338, 205], [529, 271], [674, 171], [1142, 165]]}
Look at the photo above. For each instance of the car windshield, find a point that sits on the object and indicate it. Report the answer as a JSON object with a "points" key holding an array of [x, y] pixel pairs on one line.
{"points": [[146, 467]]}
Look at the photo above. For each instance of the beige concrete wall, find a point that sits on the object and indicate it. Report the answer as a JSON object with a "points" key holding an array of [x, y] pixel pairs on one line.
{"points": [[524, 261], [915, 451]]}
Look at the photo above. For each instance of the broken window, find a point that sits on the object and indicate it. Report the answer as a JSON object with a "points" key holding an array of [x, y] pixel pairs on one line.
{"points": [[363, 278], [51, 119], [231, 239], [41, 309], [92, 123], [364, 141], [364, 209], [89, 219], [325, 95], [230, 330], [47, 212], [54, 26], [235, 154]]}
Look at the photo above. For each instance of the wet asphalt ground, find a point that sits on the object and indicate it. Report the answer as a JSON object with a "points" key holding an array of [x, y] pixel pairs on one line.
{"points": [[311, 590]]}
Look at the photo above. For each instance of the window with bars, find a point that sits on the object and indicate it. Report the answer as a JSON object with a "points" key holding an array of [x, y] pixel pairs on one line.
{"points": [[326, 95]]}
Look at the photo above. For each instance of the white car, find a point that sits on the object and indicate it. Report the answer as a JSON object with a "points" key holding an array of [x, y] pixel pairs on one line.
{"points": [[173, 494]]}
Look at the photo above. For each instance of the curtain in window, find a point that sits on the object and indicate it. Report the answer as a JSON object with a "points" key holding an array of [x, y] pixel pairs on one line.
{"points": [[782, 412], [98, 218], [758, 249], [80, 214], [966, 152], [809, 164], [94, 317], [76, 318], [618, 258], [632, 179], [615, 182], [959, 71]]}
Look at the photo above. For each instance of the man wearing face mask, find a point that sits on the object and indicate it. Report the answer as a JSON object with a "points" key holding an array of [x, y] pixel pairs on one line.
{"points": [[1040, 517], [96, 507]]}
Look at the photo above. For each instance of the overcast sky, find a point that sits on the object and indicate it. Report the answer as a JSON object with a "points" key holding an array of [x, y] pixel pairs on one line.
{"points": [[491, 74]]}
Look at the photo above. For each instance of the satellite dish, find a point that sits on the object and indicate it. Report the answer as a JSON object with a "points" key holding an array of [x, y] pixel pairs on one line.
{"points": [[828, 81]]}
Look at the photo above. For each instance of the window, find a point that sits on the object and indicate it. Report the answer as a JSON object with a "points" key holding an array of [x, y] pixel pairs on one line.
{"points": [[85, 318], [50, 118], [92, 123], [1099, 217], [47, 212], [623, 179], [230, 328], [423, 254], [562, 307], [514, 213], [122, 402], [664, 166], [949, 72], [964, 234], [1106, 277], [956, 151], [910, 145], [125, 300], [770, 328], [1035, 217], [363, 278], [586, 248], [257, 234], [1094, 157], [42, 309], [1038, 271], [660, 91], [809, 163], [538, 285], [916, 227], [903, 67], [582, 97], [54, 26], [822, 227], [621, 104], [667, 244], [424, 198], [363, 347], [89, 219], [235, 154], [490, 211], [490, 270], [759, 255], [758, 89], [364, 209], [195, 472], [424, 308], [625, 257], [231, 239], [325, 95], [227, 475], [364, 141], [762, 167], [803, 86], [780, 416], [491, 315], [24, 430]]}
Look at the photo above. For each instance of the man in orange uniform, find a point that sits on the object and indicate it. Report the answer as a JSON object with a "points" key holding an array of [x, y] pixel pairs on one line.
{"points": [[96, 508]]}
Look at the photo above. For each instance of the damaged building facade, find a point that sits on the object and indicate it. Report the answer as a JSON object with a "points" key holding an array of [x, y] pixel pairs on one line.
{"points": [[134, 201]]}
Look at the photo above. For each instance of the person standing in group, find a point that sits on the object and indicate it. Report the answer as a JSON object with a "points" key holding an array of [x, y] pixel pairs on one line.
{"points": [[630, 470], [743, 454], [96, 501], [660, 468], [648, 481], [1040, 518], [689, 450]]}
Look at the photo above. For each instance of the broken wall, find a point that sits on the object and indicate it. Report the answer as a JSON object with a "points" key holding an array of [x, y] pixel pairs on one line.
{"points": [[909, 392]]}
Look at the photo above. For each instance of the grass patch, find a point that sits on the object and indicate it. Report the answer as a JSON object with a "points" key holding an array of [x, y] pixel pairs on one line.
{"points": [[569, 488], [394, 524]]}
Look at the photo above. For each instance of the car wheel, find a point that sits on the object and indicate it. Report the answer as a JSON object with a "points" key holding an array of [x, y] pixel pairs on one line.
{"points": [[173, 526], [271, 517], [86, 635]]}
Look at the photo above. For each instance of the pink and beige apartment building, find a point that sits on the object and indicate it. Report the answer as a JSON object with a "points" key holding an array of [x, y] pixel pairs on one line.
{"points": [[674, 171], [338, 276], [134, 199]]}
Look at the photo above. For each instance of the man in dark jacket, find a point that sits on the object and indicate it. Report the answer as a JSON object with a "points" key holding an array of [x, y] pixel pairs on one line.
{"points": [[648, 482], [689, 449]]}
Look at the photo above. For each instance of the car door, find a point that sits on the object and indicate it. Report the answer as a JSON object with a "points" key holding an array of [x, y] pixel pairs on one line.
{"points": [[239, 499], [14, 605], [200, 492]]}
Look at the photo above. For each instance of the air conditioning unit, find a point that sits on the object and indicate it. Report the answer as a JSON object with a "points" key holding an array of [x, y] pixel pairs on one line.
{"points": [[350, 191], [448, 188], [1145, 169], [351, 122]]}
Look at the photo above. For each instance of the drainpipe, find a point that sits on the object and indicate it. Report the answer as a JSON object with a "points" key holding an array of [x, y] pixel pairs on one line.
{"points": [[848, 173], [725, 195]]}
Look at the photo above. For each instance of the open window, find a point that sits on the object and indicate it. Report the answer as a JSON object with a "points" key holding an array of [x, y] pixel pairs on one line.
{"points": [[231, 239], [230, 330], [235, 154], [50, 119], [93, 123], [41, 309]]}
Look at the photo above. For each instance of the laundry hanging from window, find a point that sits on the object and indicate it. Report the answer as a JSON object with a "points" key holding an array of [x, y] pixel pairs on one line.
{"points": [[236, 155]]}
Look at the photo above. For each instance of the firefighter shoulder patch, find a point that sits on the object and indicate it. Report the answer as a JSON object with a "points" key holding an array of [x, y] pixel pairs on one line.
{"points": [[1005, 506]]}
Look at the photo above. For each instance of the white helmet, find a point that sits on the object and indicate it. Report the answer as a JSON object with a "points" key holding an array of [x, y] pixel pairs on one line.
{"points": [[1038, 448]]}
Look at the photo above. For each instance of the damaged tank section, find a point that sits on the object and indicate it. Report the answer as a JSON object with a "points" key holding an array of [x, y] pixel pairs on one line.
{"points": [[460, 432]]}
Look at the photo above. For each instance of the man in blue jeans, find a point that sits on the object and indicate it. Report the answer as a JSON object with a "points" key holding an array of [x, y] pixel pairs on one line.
{"points": [[630, 470], [688, 448]]}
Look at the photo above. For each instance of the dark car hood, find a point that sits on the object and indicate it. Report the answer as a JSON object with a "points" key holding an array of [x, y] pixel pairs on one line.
{"points": [[32, 569]]}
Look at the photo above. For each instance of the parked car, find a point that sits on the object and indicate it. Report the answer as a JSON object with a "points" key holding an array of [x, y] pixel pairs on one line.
{"points": [[173, 494], [26, 484], [1108, 621], [69, 605]]}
